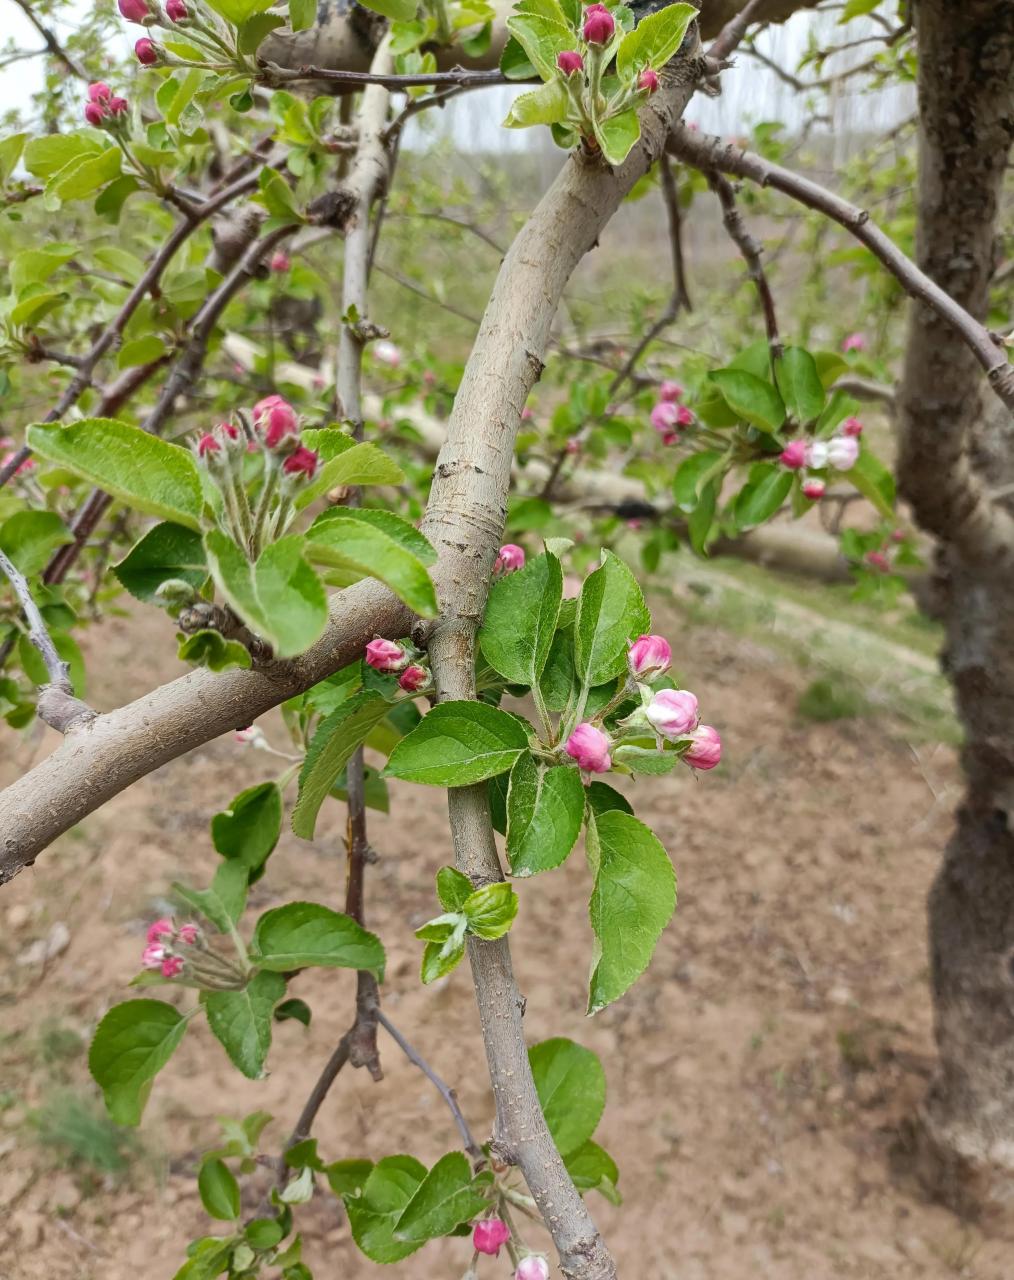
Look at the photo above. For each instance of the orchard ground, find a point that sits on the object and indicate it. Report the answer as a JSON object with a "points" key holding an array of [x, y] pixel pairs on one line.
{"points": [[759, 1073]]}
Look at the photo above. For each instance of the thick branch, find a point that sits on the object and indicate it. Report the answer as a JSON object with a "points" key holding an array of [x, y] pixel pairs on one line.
{"points": [[712, 153]]}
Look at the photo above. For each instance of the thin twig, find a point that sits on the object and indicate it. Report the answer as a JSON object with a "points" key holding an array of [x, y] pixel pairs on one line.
{"points": [[713, 153], [52, 43], [734, 30], [460, 77], [446, 1092], [751, 250]]}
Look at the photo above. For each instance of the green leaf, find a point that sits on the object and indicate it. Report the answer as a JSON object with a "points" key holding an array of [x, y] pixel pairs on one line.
{"points": [[277, 198], [301, 934], [610, 614], [549, 104], [371, 552], [690, 475], [207, 648], [490, 910], [874, 482], [439, 960], [219, 1190], [165, 552], [654, 40], [298, 1191], [361, 464], [453, 887], [602, 798], [294, 1010], [444, 1199], [396, 528], [702, 516], [241, 1020], [82, 176], [751, 397], [256, 29], [224, 902], [545, 809], [348, 1177], [237, 11], [399, 10], [131, 1045], [458, 743], [633, 900], [148, 474], [140, 351], [35, 266], [592, 1169], [571, 1086], [209, 1257], [515, 63], [617, 134], [762, 497], [373, 1213], [30, 538], [249, 829], [856, 8], [48, 154], [839, 407], [36, 303], [542, 39], [333, 743], [799, 384], [302, 14], [280, 597], [521, 618]]}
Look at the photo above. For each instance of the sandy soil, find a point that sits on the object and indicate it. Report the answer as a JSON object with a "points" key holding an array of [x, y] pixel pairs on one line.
{"points": [[759, 1073]]}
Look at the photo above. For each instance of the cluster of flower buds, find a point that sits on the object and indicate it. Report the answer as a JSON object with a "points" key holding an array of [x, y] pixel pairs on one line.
{"points": [[671, 714], [182, 951], [402, 660], [252, 736], [668, 414], [509, 558], [840, 453], [104, 109]]}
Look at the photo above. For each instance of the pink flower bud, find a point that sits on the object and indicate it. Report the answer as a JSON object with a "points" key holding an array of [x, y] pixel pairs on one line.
{"points": [[301, 463], [207, 444], [670, 437], [670, 391], [852, 427], [27, 465], [280, 262], [648, 657], [842, 453], [572, 447], [877, 560], [176, 11], [570, 62], [534, 1267], [599, 24], [152, 956], [118, 106], [133, 10], [385, 655], [706, 750], [275, 419], [527, 414], [387, 353], [413, 678], [511, 557], [99, 92], [648, 80], [635, 526], [94, 113], [172, 966], [665, 416], [793, 455], [897, 535], [813, 489], [147, 52], [188, 933], [590, 748], [489, 1235], [160, 929], [684, 416], [672, 713], [854, 342]]}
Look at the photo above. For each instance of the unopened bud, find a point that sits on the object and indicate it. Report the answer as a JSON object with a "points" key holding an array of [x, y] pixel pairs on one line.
{"points": [[647, 81], [706, 748], [793, 455], [510, 557], [648, 657], [301, 463], [147, 51], [489, 1235], [814, 489], [672, 713], [413, 678], [570, 62], [589, 748], [599, 24], [385, 655]]}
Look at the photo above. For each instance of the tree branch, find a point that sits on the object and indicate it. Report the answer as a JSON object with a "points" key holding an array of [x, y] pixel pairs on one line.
{"points": [[712, 153], [751, 250], [52, 43]]}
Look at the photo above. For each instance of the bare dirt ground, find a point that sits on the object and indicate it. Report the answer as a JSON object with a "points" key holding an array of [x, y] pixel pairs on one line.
{"points": [[758, 1074]]}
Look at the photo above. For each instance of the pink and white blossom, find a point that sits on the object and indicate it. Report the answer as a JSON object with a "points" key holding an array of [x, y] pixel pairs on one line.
{"points": [[510, 558], [385, 655], [706, 748], [649, 657], [589, 747], [672, 713], [793, 456], [489, 1235]]}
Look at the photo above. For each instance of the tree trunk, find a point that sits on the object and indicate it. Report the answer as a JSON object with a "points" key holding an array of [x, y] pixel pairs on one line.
{"points": [[956, 453]]}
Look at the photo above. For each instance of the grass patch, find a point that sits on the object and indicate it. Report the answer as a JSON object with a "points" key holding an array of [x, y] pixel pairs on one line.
{"points": [[75, 1128]]}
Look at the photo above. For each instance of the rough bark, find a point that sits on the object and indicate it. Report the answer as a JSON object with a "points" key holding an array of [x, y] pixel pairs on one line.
{"points": [[955, 455]]}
